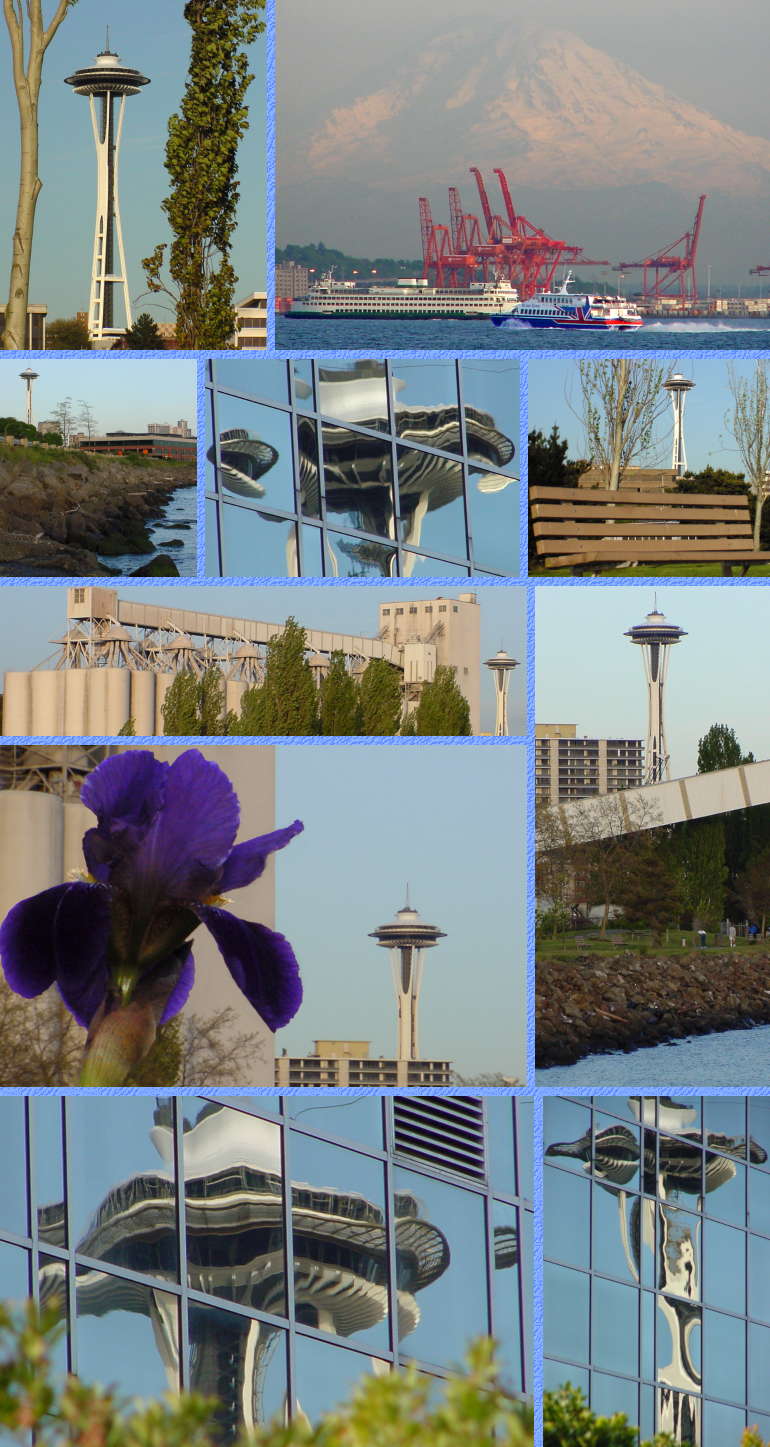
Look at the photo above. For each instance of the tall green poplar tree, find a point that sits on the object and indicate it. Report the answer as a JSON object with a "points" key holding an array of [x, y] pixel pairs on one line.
{"points": [[380, 694], [338, 699], [30, 39], [201, 160], [287, 701], [442, 709]]}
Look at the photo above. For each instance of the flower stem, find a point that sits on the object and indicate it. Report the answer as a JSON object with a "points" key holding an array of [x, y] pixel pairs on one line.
{"points": [[119, 1042]]}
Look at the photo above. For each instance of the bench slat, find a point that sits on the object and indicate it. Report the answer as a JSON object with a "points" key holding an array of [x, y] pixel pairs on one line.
{"points": [[660, 550], [655, 555], [604, 494], [673, 514], [606, 531]]}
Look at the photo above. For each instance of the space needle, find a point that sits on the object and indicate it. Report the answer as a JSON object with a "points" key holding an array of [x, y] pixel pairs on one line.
{"points": [[677, 387], [501, 667], [108, 82], [656, 636], [407, 936]]}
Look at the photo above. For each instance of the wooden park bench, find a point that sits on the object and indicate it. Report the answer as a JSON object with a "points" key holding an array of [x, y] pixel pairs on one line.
{"points": [[574, 528]]}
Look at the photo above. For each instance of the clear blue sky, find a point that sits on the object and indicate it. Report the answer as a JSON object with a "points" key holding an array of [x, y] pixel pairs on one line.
{"points": [[27, 629], [588, 674], [450, 821], [151, 37], [125, 393], [553, 384]]}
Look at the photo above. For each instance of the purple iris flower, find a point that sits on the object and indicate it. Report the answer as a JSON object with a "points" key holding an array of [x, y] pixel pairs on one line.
{"points": [[162, 854]]}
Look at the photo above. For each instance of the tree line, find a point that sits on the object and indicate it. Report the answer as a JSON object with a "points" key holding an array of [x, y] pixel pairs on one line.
{"points": [[288, 701], [693, 875]]}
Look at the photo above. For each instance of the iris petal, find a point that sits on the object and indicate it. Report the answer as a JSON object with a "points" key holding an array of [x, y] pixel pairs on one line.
{"points": [[261, 962], [180, 993], [27, 946], [248, 860], [125, 793], [181, 855], [81, 934]]}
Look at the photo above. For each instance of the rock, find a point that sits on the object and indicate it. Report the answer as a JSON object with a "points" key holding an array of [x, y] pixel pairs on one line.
{"points": [[158, 567]]}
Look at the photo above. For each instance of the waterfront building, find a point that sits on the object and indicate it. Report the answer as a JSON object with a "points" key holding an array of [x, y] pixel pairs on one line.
{"points": [[568, 767], [362, 469], [656, 1238], [251, 322], [36, 319], [264, 1252], [173, 445], [117, 659], [166, 429], [291, 280]]}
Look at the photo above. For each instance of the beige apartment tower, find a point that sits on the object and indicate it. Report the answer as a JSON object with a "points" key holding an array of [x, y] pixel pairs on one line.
{"points": [[568, 767]]}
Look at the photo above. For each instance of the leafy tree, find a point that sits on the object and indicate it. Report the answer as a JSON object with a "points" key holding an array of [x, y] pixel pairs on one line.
{"points": [[568, 1422], [749, 424], [318, 257], [442, 708], [201, 153], [287, 701], [696, 852], [719, 749], [65, 417], [144, 335], [380, 693], [196, 706], [29, 43], [714, 479], [87, 419], [67, 334], [547, 462], [744, 833], [753, 888], [339, 709], [128, 731], [619, 405], [12, 427], [647, 888]]}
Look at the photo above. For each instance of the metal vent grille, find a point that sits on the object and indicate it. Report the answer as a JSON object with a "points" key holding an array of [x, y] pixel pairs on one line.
{"points": [[445, 1131]]}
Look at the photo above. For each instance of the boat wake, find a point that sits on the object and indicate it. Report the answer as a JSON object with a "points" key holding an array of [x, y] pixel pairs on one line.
{"points": [[705, 326]]}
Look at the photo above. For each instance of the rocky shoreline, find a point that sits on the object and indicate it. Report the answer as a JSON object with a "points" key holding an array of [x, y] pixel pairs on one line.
{"points": [[58, 515], [591, 1004]]}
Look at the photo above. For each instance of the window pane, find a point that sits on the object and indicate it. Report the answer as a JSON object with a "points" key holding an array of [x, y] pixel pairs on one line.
{"points": [[14, 1273], [353, 391], [726, 1115], [566, 1217], [615, 1327], [524, 1129], [679, 1238], [722, 1424], [121, 1186], [127, 1335], [759, 1200], [303, 386], [326, 1375], [611, 1394], [441, 1265], [234, 1196], [312, 552], [565, 1296], [49, 1170], [432, 505], [507, 1316], [13, 1176], [425, 402], [565, 1123], [724, 1356], [254, 544], [309, 476], [500, 1145], [212, 545], [340, 1254], [759, 1364], [256, 376], [359, 481], [357, 558], [759, 1277], [491, 398], [614, 1213], [726, 1188], [255, 452], [494, 502], [351, 1117], [240, 1362], [416, 566], [54, 1298], [724, 1267]]}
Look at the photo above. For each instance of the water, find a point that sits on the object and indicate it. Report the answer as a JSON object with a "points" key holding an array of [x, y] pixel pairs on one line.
{"points": [[181, 508], [365, 337], [738, 1058]]}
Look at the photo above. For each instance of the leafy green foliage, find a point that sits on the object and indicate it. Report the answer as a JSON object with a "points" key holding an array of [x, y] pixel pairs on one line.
{"points": [[394, 1410], [67, 334], [144, 336], [719, 749], [568, 1422], [380, 693], [317, 257], [128, 731], [339, 708], [195, 706], [201, 160], [442, 708], [549, 466], [697, 855], [287, 701], [648, 889]]}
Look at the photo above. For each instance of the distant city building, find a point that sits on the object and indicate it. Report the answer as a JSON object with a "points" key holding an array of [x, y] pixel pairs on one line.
{"points": [[52, 426], [291, 280], [165, 429], [36, 319], [251, 322], [336, 1063], [568, 767]]}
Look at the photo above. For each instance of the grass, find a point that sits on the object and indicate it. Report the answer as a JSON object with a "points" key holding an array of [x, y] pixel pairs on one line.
{"points": [[585, 942]]}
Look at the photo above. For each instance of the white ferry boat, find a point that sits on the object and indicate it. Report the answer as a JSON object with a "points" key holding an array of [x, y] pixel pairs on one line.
{"points": [[409, 298], [575, 311]]}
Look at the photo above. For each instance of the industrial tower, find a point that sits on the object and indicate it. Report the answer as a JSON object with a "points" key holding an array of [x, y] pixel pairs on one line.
{"points": [[655, 636], [107, 81], [502, 666], [406, 938], [677, 387], [29, 377]]}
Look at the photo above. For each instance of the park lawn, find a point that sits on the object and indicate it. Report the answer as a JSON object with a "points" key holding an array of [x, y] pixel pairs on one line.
{"points": [[635, 940]]}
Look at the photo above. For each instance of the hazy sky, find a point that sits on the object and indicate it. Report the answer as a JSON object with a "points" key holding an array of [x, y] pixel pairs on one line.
{"points": [[153, 38], [554, 393], [125, 393], [707, 55], [588, 674], [448, 820], [41, 618]]}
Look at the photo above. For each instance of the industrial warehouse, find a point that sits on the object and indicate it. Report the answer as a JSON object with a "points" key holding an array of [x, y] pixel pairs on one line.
{"points": [[117, 659]]}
